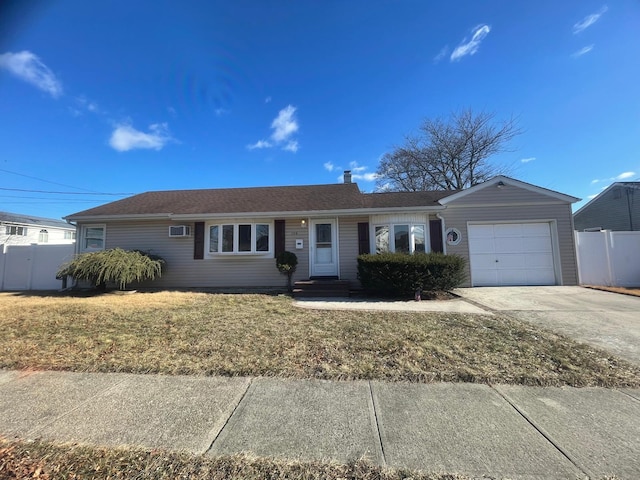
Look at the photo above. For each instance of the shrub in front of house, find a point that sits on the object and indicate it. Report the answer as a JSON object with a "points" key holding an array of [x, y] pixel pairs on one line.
{"points": [[115, 265], [400, 274], [286, 263]]}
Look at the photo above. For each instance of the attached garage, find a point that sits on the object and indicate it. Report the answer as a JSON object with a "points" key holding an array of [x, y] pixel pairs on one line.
{"points": [[511, 233], [511, 254]]}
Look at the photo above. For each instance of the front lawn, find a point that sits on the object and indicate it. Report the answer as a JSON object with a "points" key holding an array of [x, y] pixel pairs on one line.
{"points": [[261, 335]]}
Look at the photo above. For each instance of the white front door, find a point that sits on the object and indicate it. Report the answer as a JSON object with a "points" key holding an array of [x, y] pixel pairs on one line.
{"points": [[324, 254]]}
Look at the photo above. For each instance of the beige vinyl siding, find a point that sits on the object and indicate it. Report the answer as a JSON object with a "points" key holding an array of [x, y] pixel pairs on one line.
{"points": [[294, 230], [348, 247], [183, 271], [506, 195], [559, 214]]}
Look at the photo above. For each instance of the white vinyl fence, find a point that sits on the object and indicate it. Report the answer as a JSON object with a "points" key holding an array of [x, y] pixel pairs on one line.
{"points": [[32, 267], [608, 258]]}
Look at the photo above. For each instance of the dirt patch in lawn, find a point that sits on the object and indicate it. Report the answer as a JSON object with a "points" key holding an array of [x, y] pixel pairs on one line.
{"points": [[635, 291], [262, 335]]}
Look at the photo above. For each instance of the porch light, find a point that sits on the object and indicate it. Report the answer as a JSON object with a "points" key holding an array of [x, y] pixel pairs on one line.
{"points": [[303, 223]]}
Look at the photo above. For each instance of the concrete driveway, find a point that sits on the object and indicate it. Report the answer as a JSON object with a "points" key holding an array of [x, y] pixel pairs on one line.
{"points": [[607, 320]]}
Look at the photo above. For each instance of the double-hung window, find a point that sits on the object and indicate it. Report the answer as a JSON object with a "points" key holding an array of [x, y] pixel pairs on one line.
{"points": [[401, 237], [93, 237], [13, 230], [239, 238]]}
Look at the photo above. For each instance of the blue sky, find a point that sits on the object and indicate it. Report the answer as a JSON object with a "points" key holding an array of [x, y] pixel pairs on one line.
{"points": [[123, 97]]}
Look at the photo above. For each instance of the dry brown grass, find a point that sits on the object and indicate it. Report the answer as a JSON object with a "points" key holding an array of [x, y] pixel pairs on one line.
{"points": [[48, 461], [260, 335], [634, 291]]}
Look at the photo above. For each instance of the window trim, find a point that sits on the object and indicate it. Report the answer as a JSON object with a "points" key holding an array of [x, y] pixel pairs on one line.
{"points": [[235, 251], [43, 236], [390, 226], [83, 237], [17, 229]]}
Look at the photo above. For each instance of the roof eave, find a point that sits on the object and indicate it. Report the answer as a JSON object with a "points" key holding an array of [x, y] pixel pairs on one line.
{"points": [[513, 182], [279, 214], [104, 218]]}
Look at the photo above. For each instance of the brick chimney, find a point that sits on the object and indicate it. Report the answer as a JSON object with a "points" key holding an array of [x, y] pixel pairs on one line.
{"points": [[347, 176]]}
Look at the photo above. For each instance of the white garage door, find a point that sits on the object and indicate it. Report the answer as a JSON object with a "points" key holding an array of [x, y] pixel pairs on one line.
{"points": [[511, 254]]}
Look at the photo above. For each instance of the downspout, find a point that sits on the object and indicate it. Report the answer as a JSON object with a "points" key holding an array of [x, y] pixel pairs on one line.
{"points": [[76, 252], [442, 228]]}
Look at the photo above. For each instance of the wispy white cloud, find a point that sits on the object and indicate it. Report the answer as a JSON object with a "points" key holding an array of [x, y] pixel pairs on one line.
{"points": [[441, 54], [267, 100], [368, 177], [259, 144], [221, 111], [589, 20], [285, 124], [291, 146], [527, 160], [582, 51], [284, 127], [358, 172], [625, 175], [356, 169], [617, 178], [471, 47], [28, 67], [83, 104], [124, 137]]}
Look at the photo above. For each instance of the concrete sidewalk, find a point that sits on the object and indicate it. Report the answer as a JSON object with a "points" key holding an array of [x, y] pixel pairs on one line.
{"points": [[501, 432]]}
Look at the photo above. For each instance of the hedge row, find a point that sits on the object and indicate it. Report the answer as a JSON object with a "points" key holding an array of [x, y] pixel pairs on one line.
{"points": [[399, 274]]}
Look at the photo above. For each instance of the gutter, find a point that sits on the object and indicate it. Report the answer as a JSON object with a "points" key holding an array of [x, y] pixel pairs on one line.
{"points": [[279, 214]]}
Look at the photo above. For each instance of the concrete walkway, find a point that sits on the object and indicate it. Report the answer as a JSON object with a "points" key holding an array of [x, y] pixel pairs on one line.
{"points": [[498, 431]]}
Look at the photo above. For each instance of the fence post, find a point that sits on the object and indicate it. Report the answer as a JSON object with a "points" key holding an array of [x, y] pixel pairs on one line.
{"points": [[2, 265], [608, 251]]}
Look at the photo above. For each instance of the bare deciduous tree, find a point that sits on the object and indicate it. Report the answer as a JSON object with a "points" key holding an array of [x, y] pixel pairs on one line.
{"points": [[447, 154]]}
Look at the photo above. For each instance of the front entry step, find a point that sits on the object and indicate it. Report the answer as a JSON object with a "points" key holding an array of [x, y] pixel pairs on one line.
{"points": [[321, 288]]}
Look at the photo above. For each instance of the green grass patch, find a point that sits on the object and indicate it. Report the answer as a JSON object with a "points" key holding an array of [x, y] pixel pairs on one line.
{"points": [[261, 335]]}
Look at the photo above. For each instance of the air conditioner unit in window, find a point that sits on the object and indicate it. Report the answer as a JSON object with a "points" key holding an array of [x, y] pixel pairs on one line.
{"points": [[179, 231]]}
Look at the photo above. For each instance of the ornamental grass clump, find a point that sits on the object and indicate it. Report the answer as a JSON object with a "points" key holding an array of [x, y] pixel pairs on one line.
{"points": [[116, 265]]}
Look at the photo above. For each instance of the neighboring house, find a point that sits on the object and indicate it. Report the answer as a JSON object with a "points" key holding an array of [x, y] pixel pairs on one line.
{"points": [[616, 208], [511, 232], [17, 229]]}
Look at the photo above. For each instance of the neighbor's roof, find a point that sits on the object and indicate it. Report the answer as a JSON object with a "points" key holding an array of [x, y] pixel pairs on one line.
{"points": [[287, 199], [20, 219], [587, 206]]}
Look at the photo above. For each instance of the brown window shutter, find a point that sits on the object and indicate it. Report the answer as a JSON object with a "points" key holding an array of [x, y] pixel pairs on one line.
{"points": [[279, 237], [363, 238], [198, 241], [435, 236]]}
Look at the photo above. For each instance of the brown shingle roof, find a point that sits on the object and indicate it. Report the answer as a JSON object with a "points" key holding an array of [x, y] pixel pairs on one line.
{"points": [[308, 198], [406, 199]]}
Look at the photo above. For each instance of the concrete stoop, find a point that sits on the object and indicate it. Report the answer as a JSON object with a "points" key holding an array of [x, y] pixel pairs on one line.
{"points": [[321, 288]]}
